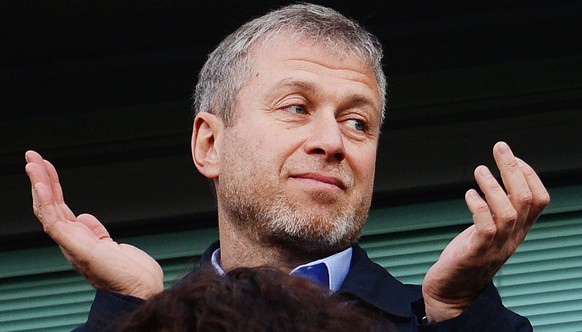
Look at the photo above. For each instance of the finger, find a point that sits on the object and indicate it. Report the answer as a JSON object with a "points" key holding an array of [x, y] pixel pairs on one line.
{"points": [[482, 218], [94, 225], [540, 195], [35, 204], [44, 207], [35, 168], [53, 178], [516, 185], [34, 171], [31, 156], [501, 208], [42, 171], [57, 191]]}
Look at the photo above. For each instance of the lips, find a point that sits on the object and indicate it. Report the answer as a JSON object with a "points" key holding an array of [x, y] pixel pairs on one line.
{"points": [[322, 178]]}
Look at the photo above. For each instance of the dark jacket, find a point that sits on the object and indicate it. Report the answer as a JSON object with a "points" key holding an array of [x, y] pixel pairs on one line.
{"points": [[367, 284]]}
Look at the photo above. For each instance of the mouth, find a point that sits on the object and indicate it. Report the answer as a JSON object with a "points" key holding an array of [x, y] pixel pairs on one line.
{"points": [[321, 180]]}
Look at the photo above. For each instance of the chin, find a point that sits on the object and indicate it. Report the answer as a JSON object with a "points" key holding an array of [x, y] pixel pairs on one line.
{"points": [[312, 245]]}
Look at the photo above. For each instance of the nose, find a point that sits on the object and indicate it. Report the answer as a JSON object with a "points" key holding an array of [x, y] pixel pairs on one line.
{"points": [[326, 139]]}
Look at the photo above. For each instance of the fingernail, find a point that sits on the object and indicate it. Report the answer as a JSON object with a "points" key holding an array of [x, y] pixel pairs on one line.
{"points": [[503, 148], [473, 194]]}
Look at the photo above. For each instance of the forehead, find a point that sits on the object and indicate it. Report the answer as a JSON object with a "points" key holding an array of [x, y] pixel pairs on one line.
{"points": [[334, 55], [293, 58]]}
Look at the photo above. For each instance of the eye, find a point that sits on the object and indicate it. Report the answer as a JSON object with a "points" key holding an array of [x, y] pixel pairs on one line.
{"points": [[296, 109], [357, 125]]}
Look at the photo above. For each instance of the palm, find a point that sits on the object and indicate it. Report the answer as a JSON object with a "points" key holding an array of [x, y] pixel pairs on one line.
{"points": [[86, 243], [465, 264], [501, 222]]}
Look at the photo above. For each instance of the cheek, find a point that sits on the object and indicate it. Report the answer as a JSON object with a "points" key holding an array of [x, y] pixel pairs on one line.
{"points": [[274, 148], [363, 162], [258, 152]]}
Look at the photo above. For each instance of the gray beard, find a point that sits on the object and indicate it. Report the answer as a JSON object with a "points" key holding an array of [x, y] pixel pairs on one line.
{"points": [[274, 222]]}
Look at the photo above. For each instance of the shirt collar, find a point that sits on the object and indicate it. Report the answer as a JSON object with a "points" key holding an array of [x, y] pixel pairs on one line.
{"points": [[338, 266]]}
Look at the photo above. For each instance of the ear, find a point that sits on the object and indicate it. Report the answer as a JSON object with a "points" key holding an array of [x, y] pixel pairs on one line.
{"points": [[206, 136]]}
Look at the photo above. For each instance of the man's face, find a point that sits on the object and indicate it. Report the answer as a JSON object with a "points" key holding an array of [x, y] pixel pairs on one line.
{"points": [[297, 165]]}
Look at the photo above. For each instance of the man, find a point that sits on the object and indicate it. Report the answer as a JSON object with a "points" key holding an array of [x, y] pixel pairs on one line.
{"points": [[288, 113]]}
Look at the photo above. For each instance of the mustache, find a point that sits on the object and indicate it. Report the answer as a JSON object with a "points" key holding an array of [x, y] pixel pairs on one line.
{"points": [[334, 174]]}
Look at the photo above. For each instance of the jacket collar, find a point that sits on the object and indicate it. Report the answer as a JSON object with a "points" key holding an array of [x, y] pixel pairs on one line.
{"points": [[367, 281], [374, 285]]}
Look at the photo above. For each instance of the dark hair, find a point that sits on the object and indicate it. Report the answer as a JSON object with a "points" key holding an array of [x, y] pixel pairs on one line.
{"points": [[247, 299]]}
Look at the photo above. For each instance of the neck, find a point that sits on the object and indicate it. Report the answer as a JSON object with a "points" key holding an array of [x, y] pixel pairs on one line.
{"points": [[241, 250]]}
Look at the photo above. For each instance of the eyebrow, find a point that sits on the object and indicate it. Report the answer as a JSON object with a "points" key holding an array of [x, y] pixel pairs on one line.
{"points": [[356, 100]]}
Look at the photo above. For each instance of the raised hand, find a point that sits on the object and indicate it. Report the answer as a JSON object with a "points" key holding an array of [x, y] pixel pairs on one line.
{"points": [[85, 242], [501, 222]]}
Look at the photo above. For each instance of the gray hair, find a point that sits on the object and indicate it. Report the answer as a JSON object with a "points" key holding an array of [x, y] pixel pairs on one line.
{"points": [[229, 66]]}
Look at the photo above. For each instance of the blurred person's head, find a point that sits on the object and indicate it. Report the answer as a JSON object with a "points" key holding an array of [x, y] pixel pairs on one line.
{"points": [[248, 299]]}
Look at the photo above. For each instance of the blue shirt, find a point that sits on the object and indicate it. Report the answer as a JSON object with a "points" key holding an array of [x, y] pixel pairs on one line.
{"points": [[338, 266]]}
